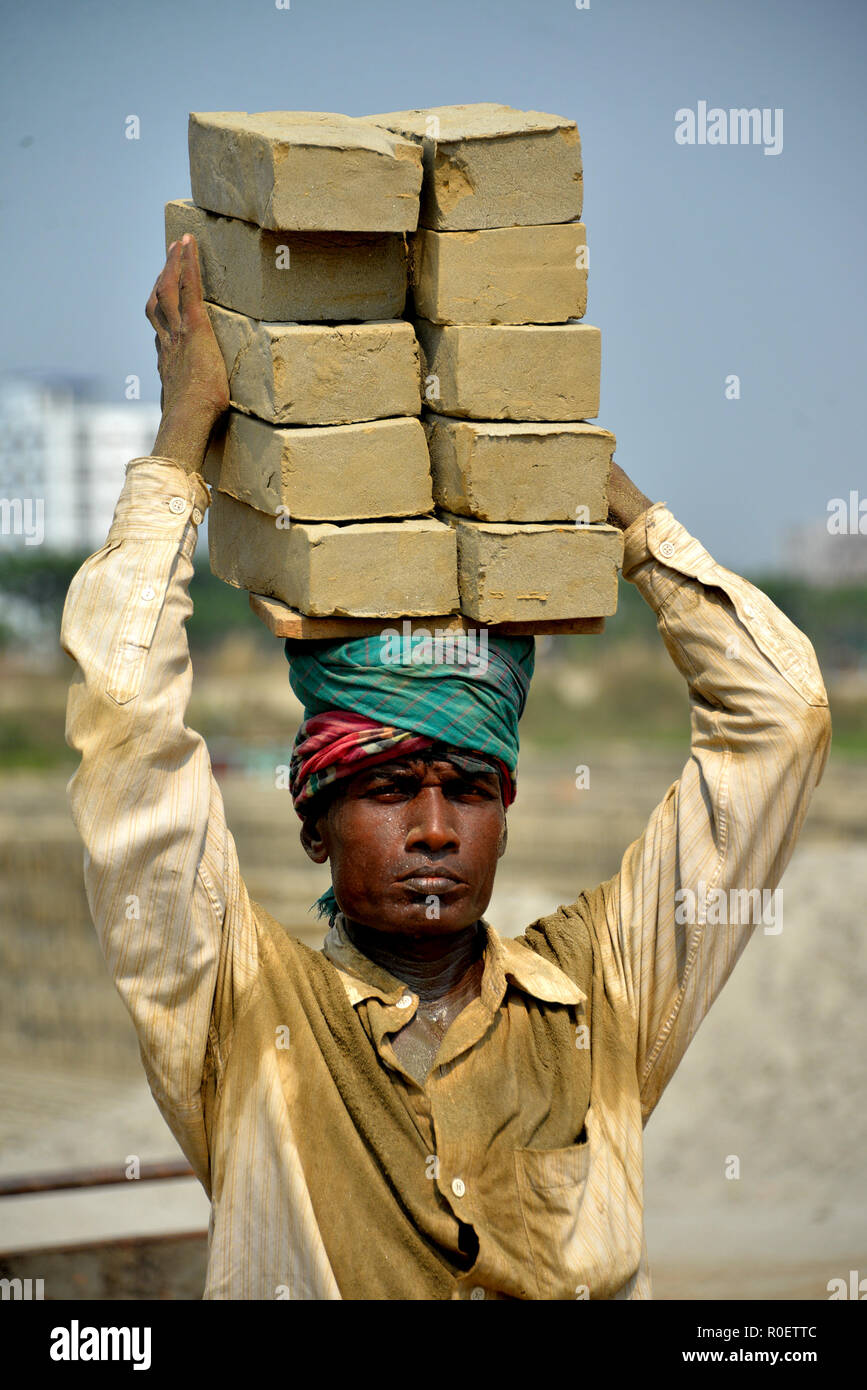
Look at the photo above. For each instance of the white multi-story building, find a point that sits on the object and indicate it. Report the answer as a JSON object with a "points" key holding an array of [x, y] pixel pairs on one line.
{"points": [[62, 459]]}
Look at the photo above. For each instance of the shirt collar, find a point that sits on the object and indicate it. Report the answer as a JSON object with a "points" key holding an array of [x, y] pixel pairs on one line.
{"points": [[507, 960]]}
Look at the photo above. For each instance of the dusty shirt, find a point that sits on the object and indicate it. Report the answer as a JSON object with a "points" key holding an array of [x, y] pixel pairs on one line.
{"points": [[515, 1171]]}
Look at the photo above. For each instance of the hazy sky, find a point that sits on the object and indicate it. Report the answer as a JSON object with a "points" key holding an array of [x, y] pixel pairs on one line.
{"points": [[705, 260]]}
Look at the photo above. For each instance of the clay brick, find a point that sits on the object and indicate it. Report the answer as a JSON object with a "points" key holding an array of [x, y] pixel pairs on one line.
{"points": [[511, 371], [520, 471], [375, 569], [304, 171], [318, 374], [506, 275], [328, 473], [303, 277], [487, 165], [513, 573]]}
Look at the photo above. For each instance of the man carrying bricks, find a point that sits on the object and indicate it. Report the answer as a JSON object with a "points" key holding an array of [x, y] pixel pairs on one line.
{"points": [[423, 1109]]}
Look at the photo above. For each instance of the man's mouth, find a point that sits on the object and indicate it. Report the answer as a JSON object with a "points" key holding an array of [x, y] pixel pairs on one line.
{"points": [[438, 881]]}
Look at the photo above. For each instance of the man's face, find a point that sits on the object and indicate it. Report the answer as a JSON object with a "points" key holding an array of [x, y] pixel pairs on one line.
{"points": [[411, 839]]}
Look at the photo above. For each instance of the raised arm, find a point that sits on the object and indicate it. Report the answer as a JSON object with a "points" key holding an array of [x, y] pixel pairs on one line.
{"points": [[160, 867], [692, 889]]}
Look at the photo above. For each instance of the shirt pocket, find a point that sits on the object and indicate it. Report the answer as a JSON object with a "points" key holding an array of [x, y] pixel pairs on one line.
{"points": [[147, 584], [582, 1217]]}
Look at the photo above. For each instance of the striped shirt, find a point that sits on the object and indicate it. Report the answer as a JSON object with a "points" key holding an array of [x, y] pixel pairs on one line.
{"points": [[516, 1169]]}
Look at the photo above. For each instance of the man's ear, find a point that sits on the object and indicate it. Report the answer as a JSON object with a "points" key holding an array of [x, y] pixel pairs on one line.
{"points": [[313, 841]]}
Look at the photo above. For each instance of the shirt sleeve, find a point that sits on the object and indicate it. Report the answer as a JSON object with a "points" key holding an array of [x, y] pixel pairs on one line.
{"points": [[706, 871], [160, 867]]}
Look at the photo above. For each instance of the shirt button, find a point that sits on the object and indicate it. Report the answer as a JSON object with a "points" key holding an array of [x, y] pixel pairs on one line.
{"points": [[404, 1001], [667, 549], [197, 516], [148, 593], [477, 1293], [177, 505], [458, 1187]]}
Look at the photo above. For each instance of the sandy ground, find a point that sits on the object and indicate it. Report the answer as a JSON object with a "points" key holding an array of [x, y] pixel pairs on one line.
{"points": [[775, 1077]]}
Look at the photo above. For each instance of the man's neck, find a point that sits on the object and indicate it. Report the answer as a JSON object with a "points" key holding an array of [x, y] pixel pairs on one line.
{"points": [[431, 966]]}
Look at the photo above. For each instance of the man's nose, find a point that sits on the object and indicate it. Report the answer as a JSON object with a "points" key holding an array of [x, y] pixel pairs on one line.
{"points": [[432, 824]]}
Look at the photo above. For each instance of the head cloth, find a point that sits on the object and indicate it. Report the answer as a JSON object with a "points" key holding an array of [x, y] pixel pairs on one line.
{"points": [[375, 698]]}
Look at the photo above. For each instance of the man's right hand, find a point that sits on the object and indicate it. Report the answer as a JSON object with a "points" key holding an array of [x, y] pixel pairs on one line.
{"points": [[195, 387]]}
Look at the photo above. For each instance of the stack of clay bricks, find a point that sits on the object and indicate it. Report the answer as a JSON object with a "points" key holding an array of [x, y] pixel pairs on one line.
{"points": [[323, 482], [499, 280], [332, 500]]}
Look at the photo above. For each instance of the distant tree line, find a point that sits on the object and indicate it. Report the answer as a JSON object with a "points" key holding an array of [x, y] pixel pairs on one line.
{"points": [[835, 619]]}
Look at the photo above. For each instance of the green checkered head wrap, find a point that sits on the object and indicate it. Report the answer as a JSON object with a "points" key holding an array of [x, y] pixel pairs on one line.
{"points": [[469, 696]]}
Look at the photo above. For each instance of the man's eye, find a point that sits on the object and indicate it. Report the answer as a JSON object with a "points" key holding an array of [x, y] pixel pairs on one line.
{"points": [[470, 789], [384, 788]]}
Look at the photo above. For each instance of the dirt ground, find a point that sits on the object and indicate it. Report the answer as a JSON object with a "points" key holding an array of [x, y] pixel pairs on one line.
{"points": [[775, 1077]]}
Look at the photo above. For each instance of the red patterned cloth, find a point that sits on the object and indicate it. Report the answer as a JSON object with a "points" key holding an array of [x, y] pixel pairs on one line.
{"points": [[340, 743]]}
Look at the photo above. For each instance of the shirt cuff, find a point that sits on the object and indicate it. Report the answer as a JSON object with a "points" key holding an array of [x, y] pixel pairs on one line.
{"points": [[659, 555], [159, 497]]}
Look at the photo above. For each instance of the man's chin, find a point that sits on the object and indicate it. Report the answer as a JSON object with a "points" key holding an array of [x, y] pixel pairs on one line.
{"points": [[420, 914]]}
